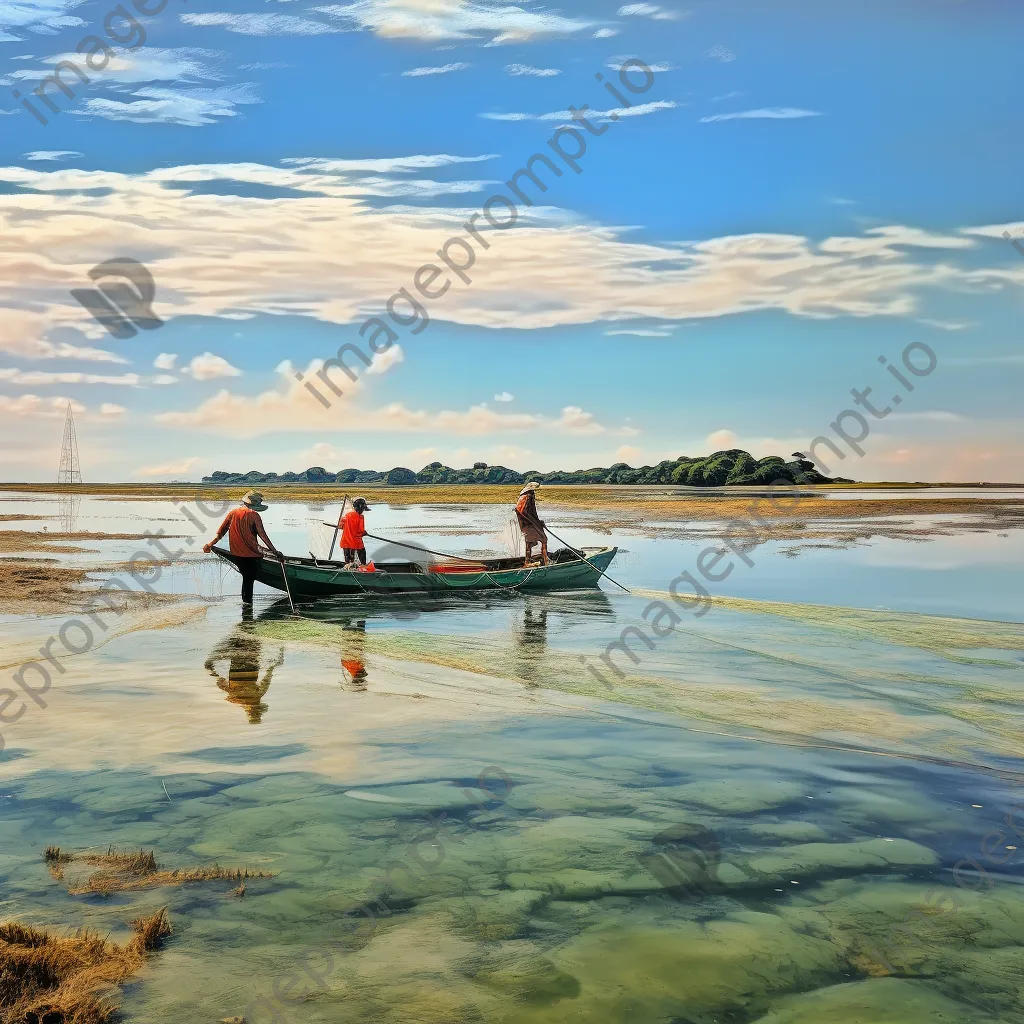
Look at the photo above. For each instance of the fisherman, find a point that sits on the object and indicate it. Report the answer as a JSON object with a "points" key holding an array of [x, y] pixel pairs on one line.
{"points": [[353, 530], [530, 523], [244, 528]]}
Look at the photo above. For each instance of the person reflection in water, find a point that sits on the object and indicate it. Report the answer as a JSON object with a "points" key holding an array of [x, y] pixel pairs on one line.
{"points": [[243, 685], [353, 643], [530, 641]]}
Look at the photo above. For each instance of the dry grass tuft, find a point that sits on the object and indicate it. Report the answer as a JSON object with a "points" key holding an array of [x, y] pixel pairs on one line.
{"points": [[151, 931], [51, 979], [55, 860], [127, 871]]}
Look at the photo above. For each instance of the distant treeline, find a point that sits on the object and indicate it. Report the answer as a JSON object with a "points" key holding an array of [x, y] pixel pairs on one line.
{"points": [[729, 467]]}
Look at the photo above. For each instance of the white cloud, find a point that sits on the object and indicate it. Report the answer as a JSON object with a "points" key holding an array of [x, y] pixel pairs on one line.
{"points": [[178, 468], [575, 421], [721, 53], [165, 361], [441, 20], [43, 17], [52, 155], [152, 64], [384, 361], [770, 113], [630, 454], [640, 332], [650, 11], [332, 258], [444, 69], [260, 24], [34, 406], [721, 440], [210, 367], [943, 325], [605, 33], [29, 406], [504, 397], [162, 379], [155, 105], [322, 454], [527, 69], [291, 409], [615, 63], [389, 165], [31, 377], [600, 116]]}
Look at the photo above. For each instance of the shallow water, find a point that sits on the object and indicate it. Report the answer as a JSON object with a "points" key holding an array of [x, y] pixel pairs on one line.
{"points": [[800, 812]]}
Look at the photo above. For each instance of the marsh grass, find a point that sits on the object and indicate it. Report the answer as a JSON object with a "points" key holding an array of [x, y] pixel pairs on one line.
{"points": [[129, 871], [47, 978]]}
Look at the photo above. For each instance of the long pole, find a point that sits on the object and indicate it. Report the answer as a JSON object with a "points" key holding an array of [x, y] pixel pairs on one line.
{"points": [[287, 585], [416, 547], [337, 527], [585, 559]]}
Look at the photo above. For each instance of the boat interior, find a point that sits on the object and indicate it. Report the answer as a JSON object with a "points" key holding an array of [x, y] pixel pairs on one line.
{"points": [[558, 557]]}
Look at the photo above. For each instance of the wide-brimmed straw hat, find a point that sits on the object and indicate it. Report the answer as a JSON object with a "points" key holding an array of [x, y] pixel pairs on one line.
{"points": [[254, 500], [531, 486]]}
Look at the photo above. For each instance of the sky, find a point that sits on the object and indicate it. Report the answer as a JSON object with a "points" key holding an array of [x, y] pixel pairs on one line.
{"points": [[794, 190]]}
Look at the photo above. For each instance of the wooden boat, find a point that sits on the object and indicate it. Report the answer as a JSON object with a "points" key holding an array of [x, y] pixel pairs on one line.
{"points": [[309, 577]]}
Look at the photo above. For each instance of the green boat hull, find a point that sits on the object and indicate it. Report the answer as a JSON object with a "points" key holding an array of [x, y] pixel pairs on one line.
{"points": [[309, 579]]}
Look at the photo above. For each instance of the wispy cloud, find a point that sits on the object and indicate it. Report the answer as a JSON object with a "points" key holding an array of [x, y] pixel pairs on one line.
{"points": [[650, 11], [594, 115], [388, 165], [615, 63], [640, 332], [42, 17], [527, 69], [722, 53], [30, 377], [769, 113], [444, 69], [51, 154], [192, 108], [260, 24]]}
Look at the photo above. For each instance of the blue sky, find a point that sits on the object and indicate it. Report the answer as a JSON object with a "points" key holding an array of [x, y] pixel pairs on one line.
{"points": [[802, 188]]}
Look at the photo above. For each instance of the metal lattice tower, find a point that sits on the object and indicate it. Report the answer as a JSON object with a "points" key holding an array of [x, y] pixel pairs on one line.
{"points": [[70, 471]]}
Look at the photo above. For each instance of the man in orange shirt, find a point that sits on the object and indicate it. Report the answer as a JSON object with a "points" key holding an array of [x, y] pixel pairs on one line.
{"points": [[531, 523], [244, 528], [353, 530]]}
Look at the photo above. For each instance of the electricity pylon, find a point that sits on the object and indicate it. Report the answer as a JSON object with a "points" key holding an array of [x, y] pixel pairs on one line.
{"points": [[70, 471]]}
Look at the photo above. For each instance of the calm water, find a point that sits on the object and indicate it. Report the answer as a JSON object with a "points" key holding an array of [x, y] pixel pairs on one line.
{"points": [[791, 812]]}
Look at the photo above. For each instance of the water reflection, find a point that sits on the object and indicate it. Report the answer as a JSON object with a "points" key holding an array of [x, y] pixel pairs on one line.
{"points": [[529, 642], [67, 509], [243, 685], [353, 644]]}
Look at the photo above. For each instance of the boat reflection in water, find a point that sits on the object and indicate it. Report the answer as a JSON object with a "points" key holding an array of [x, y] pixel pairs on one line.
{"points": [[243, 684], [506, 633]]}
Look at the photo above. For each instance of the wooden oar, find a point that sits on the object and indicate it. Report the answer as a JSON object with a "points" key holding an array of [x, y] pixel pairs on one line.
{"points": [[585, 559], [337, 527]]}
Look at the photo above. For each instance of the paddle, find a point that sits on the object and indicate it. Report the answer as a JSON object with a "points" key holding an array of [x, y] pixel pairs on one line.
{"points": [[337, 527]]}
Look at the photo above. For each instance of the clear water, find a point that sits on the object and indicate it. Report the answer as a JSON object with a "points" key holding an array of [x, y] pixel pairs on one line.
{"points": [[787, 812]]}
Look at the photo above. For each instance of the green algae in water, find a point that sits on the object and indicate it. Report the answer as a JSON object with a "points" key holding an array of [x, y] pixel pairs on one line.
{"points": [[865, 696]]}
